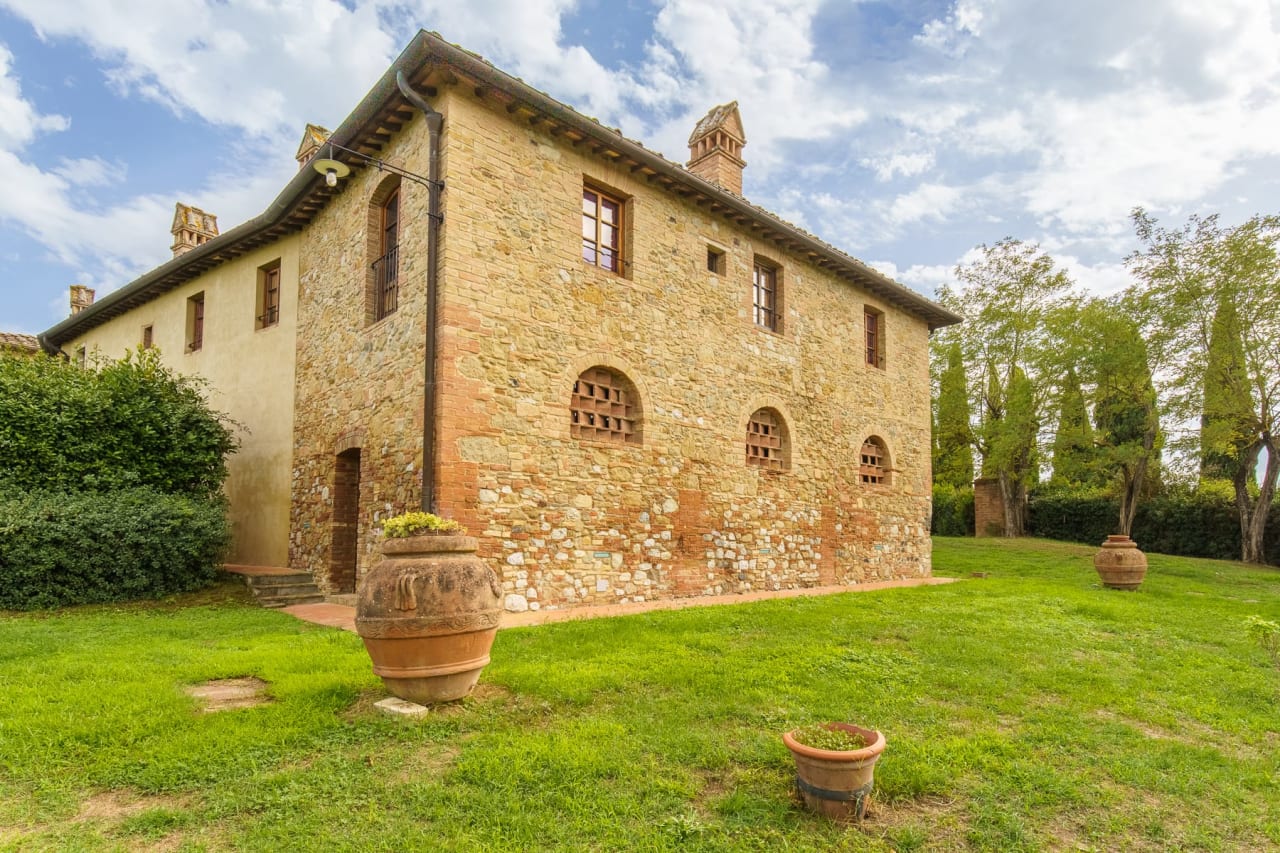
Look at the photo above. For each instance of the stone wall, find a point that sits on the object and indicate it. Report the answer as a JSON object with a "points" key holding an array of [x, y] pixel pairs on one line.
{"points": [[359, 383], [573, 521]]}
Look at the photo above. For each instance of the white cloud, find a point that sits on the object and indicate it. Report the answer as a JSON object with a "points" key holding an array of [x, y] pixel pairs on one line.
{"points": [[90, 172], [758, 52], [927, 201], [905, 165], [19, 121], [255, 66], [1100, 279], [923, 278]]}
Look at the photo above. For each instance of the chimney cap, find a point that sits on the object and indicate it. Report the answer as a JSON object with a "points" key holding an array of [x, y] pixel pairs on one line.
{"points": [[313, 137], [187, 217], [725, 118], [81, 297]]}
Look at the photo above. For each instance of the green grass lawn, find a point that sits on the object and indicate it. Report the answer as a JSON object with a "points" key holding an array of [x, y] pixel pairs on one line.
{"points": [[1028, 710]]}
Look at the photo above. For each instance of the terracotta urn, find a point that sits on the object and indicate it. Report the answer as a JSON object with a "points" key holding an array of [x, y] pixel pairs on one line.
{"points": [[837, 783], [1120, 564], [428, 614]]}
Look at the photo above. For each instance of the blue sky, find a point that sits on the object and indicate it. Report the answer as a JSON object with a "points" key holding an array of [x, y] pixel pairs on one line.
{"points": [[904, 132]]}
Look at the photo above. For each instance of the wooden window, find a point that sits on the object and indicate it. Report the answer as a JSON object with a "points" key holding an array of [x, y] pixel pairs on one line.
{"points": [[195, 323], [873, 320], [604, 407], [386, 269], [715, 260], [82, 357], [602, 228], [148, 337], [765, 301], [874, 468], [268, 296], [767, 441]]}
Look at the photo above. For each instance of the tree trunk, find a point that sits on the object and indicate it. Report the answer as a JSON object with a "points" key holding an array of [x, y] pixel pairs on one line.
{"points": [[1253, 515], [1013, 494], [1132, 485]]}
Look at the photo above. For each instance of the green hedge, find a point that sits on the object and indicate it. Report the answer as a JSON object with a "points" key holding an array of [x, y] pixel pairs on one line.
{"points": [[59, 549], [952, 511], [1199, 523], [116, 425]]}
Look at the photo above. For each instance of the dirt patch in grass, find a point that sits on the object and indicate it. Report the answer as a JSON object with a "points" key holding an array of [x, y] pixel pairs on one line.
{"points": [[1190, 732], [113, 805], [426, 762], [918, 823], [229, 694], [885, 815]]}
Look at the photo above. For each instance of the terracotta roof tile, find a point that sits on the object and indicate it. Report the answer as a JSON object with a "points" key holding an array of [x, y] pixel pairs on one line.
{"points": [[19, 341]]}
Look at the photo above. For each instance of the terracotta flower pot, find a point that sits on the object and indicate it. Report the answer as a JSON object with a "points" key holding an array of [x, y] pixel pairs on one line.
{"points": [[428, 614], [837, 783], [1120, 564]]}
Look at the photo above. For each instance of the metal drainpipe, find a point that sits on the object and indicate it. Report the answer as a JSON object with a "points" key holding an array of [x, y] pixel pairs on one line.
{"points": [[435, 122]]}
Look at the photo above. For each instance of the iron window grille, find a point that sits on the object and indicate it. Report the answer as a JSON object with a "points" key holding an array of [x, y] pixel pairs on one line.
{"points": [[386, 274]]}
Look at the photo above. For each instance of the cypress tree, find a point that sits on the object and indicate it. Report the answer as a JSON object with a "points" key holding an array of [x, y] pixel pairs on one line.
{"points": [[953, 456], [1073, 444], [1227, 417]]}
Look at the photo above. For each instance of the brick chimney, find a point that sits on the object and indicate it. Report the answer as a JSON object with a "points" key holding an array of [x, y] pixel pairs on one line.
{"points": [[191, 227], [312, 138], [715, 148], [81, 298]]}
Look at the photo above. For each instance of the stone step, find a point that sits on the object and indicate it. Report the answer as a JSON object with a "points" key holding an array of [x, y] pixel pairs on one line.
{"points": [[269, 581], [276, 602], [302, 585], [276, 587]]}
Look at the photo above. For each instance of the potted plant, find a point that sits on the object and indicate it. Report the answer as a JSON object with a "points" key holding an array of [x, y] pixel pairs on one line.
{"points": [[835, 766], [429, 611]]}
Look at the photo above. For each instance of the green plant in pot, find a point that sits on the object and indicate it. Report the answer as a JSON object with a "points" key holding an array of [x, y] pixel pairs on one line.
{"points": [[835, 767], [428, 612]]}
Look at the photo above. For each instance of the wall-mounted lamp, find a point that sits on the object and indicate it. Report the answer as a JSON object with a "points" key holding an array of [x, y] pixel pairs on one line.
{"points": [[333, 170]]}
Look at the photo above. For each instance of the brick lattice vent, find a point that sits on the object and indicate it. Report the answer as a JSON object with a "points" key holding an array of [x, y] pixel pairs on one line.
{"points": [[764, 441], [872, 469], [601, 408]]}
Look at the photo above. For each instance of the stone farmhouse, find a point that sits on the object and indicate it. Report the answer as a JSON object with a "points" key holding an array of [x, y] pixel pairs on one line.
{"points": [[625, 379]]}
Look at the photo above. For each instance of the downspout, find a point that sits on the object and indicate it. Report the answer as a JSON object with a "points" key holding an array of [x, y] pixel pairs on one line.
{"points": [[435, 122]]}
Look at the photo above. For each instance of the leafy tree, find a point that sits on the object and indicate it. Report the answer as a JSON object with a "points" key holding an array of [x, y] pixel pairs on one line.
{"points": [[1192, 280], [1100, 339], [953, 437], [1073, 450], [1006, 295], [1125, 407]]}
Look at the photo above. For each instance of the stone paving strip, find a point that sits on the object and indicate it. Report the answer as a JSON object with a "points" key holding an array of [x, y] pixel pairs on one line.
{"points": [[344, 617]]}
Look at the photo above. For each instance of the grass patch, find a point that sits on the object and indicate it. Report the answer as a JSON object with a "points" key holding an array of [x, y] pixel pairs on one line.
{"points": [[1028, 710]]}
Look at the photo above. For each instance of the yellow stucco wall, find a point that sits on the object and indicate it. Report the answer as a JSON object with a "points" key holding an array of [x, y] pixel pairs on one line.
{"points": [[250, 373]]}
